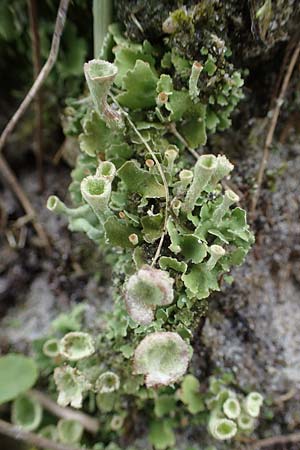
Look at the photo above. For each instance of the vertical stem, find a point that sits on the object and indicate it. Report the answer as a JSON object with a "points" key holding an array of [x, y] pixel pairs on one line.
{"points": [[102, 13], [36, 58]]}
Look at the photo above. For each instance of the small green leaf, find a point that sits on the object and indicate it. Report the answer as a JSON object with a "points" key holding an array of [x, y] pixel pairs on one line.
{"points": [[126, 58], [152, 227], [174, 236], [161, 435], [165, 84], [140, 85], [182, 65], [118, 154], [209, 66], [140, 180], [190, 394], [200, 282], [96, 136], [194, 132], [192, 248], [237, 256], [179, 102], [219, 235], [212, 120], [106, 402], [117, 232], [164, 404], [18, 373], [166, 262], [127, 350]]}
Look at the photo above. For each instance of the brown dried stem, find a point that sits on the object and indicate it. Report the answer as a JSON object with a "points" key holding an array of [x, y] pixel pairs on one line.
{"points": [[89, 423], [25, 202], [275, 440], [36, 58], [15, 432], [4, 167], [272, 127], [161, 172], [59, 26]]}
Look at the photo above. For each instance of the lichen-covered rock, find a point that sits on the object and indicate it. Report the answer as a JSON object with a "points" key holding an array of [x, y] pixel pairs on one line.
{"points": [[252, 27]]}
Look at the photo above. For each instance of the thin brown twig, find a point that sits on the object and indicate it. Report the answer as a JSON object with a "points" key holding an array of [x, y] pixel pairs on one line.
{"points": [[20, 434], [36, 58], [24, 200], [272, 127], [59, 26], [285, 397], [287, 56], [89, 423], [161, 172], [4, 167], [275, 440]]}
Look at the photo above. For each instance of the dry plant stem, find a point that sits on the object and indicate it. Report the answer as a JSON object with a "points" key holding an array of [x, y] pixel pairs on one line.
{"points": [[285, 397], [36, 58], [161, 172], [33, 439], [59, 26], [89, 423], [4, 167], [287, 56], [275, 440], [273, 123], [102, 16], [28, 208]]}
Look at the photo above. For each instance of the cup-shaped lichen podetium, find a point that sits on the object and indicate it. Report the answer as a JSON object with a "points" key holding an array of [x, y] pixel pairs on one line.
{"points": [[203, 171], [222, 429], [51, 348], [253, 403], [216, 252], [76, 345], [71, 384], [162, 357], [193, 80], [96, 192], [232, 408], [106, 169], [54, 204], [245, 422], [69, 431], [100, 75], [229, 199], [107, 382], [26, 412], [223, 169], [145, 290]]}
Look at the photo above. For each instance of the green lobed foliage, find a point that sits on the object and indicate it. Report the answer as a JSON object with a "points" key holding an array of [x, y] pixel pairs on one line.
{"points": [[11, 384], [166, 222]]}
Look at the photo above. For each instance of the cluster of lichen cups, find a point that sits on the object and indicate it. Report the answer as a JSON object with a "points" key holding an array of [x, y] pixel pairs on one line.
{"points": [[175, 228]]}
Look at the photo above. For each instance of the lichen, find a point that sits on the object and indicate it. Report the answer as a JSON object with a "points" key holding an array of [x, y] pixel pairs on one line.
{"points": [[165, 222]]}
